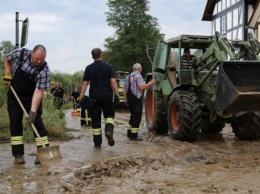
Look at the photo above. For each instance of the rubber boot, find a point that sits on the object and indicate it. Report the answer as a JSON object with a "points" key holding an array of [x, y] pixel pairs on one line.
{"points": [[83, 118], [19, 160], [109, 128], [83, 122], [97, 139], [128, 133], [135, 137], [37, 161]]}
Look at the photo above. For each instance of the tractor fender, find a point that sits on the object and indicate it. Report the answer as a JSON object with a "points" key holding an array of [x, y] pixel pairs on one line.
{"points": [[184, 87]]}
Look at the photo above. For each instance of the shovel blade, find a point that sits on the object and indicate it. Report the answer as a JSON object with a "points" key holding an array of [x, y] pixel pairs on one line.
{"points": [[49, 153]]}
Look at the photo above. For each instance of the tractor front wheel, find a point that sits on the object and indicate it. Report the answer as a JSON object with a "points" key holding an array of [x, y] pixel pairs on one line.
{"points": [[184, 116]]}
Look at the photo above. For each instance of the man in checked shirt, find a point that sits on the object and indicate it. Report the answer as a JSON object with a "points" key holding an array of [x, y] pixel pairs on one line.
{"points": [[133, 88], [29, 75]]}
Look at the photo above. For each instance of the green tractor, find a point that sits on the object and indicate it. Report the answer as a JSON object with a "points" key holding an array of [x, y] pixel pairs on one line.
{"points": [[222, 86]]}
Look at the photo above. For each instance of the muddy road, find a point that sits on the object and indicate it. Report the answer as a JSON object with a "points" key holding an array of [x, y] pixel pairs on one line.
{"points": [[213, 164]]}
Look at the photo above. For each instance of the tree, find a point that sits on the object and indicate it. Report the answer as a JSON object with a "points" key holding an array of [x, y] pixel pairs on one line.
{"points": [[5, 47], [135, 29], [77, 77]]}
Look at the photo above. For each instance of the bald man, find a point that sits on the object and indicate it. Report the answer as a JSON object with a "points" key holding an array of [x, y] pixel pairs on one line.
{"points": [[29, 75]]}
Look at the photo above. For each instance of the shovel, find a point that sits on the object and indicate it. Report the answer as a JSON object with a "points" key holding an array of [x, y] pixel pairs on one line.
{"points": [[45, 153]]}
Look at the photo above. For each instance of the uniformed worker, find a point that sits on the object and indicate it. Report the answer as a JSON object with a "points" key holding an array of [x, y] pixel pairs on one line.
{"points": [[85, 113], [133, 89], [74, 96], [102, 83], [58, 94], [29, 75]]}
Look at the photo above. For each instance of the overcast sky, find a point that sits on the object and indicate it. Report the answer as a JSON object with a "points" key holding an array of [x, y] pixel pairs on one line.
{"points": [[69, 29]]}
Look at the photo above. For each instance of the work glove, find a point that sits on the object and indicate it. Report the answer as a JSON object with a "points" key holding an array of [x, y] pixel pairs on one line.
{"points": [[7, 79], [116, 99], [32, 116]]}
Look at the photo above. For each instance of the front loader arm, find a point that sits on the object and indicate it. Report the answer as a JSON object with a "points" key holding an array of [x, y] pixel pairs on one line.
{"points": [[249, 49], [219, 50]]}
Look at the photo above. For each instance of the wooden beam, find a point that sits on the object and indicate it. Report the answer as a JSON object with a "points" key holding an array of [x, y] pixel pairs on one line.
{"points": [[255, 16]]}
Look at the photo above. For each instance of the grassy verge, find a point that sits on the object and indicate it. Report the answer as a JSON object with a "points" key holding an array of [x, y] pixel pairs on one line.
{"points": [[54, 121]]}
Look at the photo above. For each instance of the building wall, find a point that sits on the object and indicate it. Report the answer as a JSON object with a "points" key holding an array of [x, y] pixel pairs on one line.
{"points": [[230, 17], [250, 11]]}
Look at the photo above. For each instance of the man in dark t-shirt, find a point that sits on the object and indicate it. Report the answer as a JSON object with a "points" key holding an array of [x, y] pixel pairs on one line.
{"points": [[58, 94], [102, 83], [75, 97]]}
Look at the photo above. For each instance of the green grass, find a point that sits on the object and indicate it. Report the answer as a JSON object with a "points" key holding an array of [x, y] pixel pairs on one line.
{"points": [[53, 119]]}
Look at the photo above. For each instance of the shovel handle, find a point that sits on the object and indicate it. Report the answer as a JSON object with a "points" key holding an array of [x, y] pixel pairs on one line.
{"points": [[27, 116]]}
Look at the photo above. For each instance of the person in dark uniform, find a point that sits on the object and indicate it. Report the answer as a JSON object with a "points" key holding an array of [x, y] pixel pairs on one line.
{"points": [[85, 113], [133, 89], [29, 75], [102, 83], [58, 94], [75, 97]]}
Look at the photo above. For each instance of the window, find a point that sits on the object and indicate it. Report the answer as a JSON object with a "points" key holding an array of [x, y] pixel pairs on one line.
{"points": [[219, 6], [235, 17], [215, 10], [223, 25], [234, 36], [228, 3], [229, 20], [233, 2], [213, 27], [223, 4], [240, 12], [229, 35], [217, 25], [240, 34]]}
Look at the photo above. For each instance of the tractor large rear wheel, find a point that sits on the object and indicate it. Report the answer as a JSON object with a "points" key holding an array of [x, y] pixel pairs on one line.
{"points": [[247, 126], [184, 116], [156, 119]]}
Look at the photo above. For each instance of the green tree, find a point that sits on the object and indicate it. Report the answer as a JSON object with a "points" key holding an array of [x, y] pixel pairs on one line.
{"points": [[77, 77], [134, 30], [5, 47]]}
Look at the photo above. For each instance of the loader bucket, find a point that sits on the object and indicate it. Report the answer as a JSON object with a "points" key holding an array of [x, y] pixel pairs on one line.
{"points": [[238, 86]]}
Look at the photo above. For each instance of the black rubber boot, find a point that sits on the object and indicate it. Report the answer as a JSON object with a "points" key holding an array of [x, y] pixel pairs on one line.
{"points": [[109, 128], [19, 160], [83, 123], [97, 139], [128, 133], [135, 137]]}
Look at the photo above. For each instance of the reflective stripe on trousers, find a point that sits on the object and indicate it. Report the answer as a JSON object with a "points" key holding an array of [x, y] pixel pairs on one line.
{"points": [[96, 131], [16, 140], [39, 143]]}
